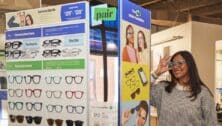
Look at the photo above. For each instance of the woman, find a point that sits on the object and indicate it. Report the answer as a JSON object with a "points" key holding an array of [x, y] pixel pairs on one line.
{"points": [[185, 100], [28, 20], [142, 46], [129, 52]]}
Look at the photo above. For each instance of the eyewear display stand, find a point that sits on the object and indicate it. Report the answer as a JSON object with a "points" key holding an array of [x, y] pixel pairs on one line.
{"points": [[65, 68]]}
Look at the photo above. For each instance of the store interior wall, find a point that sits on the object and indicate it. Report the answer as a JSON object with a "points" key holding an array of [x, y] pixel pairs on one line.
{"points": [[204, 36]]}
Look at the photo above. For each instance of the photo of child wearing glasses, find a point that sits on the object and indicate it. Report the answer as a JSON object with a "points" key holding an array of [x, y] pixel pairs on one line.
{"points": [[137, 115]]}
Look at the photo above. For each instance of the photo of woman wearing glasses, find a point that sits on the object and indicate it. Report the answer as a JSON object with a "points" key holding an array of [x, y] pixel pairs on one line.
{"points": [[20, 19], [142, 48], [129, 52]]}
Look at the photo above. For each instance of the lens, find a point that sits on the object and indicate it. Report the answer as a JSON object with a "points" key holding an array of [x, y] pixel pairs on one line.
{"points": [[18, 79], [57, 79], [58, 108], [78, 79], [38, 106], [58, 122], [50, 122], [29, 119], [79, 109], [19, 118], [133, 95], [69, 122], [37, 92], [78, 123], [46, 43], [37, 119], [16, 44], [12, 118], [57, 94], [68, 79], [49, 94], [7, 45], [138, 90]]}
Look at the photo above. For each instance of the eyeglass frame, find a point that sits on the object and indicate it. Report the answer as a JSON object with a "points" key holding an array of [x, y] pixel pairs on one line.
{"points": [[77, 122], [14, 118], [15, 105], [51, 43], [14, 91], [57, 121], [9, 45], [74, 78], [33, 106], [74, 94], [53, 93], [54, 108], [32, 79], [51, 53], [33, 93], [133, 94], [29, 119], [173, 63], [75, 108], [52, 79]]}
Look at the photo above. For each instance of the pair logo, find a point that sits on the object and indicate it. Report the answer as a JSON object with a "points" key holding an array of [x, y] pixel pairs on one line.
{"points": [[136, 12]]}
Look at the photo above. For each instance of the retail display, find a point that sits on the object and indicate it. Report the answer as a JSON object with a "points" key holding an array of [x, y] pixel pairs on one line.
{"points": [[47, 67], [62, 70]]}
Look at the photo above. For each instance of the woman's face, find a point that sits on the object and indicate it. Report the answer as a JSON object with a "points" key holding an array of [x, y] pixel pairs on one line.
{"points": [[180, 68], [28, 20], [130, 35], [141, 117], [141, 40]]}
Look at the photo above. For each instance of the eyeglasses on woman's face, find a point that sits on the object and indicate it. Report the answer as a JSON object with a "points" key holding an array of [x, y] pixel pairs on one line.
{"points": [[176, 63]]}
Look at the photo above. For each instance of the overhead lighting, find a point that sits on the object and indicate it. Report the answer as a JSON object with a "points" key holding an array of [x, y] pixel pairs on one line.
{"points": [[173, 38]]}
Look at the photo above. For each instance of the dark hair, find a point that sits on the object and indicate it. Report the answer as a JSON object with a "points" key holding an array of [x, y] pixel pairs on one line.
{"points": [[143, 104], [145, 44], [31, 19], [195, 81], [127, 28]]}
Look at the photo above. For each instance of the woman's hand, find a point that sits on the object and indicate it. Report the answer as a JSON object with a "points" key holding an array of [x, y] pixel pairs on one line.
{"points": [[163, 65]]}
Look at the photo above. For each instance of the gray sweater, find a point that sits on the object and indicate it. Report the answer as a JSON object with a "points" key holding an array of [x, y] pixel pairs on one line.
{"points": [[176, 109]]}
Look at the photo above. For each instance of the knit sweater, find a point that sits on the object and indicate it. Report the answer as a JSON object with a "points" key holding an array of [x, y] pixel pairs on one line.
{"points": [[176, 109]]}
